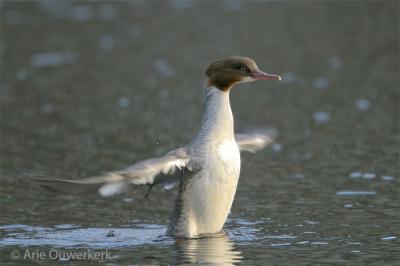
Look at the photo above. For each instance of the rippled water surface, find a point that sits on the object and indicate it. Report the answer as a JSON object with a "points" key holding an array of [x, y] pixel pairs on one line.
{"points": [[89, 87]]}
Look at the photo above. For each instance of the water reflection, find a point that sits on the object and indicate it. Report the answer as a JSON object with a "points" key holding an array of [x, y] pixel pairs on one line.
{"points": [[217, 249]]}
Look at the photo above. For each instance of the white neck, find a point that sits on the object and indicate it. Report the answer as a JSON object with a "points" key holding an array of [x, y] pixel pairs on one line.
{"points": [[217, 117]]}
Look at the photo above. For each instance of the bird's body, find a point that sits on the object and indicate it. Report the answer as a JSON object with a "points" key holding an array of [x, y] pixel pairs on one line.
{"points": [[206, 193], [208, 169]]}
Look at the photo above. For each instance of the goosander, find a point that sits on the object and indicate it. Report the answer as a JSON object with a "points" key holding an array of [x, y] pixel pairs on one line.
{"points": [[207, 169]]}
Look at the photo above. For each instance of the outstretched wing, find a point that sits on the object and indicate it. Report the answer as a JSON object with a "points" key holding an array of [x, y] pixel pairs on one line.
{"points": [[256, 139], [164, 170]]}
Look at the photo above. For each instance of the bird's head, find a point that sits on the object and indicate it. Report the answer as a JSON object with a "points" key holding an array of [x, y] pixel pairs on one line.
{"points": [[225, 73]]}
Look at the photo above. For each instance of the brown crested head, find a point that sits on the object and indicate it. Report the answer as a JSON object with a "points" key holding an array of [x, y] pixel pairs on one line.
{"points": [[225, 73]]}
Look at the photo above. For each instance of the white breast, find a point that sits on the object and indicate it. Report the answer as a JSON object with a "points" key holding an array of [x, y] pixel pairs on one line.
{"points": [[228, 153], [211, 194]]}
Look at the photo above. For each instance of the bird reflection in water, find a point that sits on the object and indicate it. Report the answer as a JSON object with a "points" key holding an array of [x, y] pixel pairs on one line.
{"points": [[214, 249]]}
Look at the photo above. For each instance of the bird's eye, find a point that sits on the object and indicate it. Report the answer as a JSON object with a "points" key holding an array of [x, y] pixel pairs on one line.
{"points": [[243, 69]]}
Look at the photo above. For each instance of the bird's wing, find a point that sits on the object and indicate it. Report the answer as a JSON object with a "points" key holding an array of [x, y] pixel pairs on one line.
{"points": [[164, 170], [256, 139]]}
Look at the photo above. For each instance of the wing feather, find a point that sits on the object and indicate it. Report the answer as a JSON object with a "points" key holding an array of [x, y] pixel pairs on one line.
{"points": [[161, 170], [256, 139]]}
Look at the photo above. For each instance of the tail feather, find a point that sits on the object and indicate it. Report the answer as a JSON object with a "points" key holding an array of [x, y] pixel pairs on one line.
{"points": [[63, 185]]}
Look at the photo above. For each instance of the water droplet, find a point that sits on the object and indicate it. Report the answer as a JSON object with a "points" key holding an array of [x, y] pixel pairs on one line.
{"points": [[164, 68], [47, 108], [181, 4], [22, 74], [107, 12], [233, 5], [135, 31], [321, 117], [335, 63], [289, 78], [321, 83], [124, 102], [362, 104], [81, 13], [276, 147], [106, 42]]}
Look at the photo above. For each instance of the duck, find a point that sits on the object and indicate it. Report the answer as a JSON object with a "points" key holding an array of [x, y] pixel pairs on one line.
{"points": [[206, 170]]}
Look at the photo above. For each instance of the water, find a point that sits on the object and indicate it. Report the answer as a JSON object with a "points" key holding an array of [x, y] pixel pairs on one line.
{"points": [[93, 87]]}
